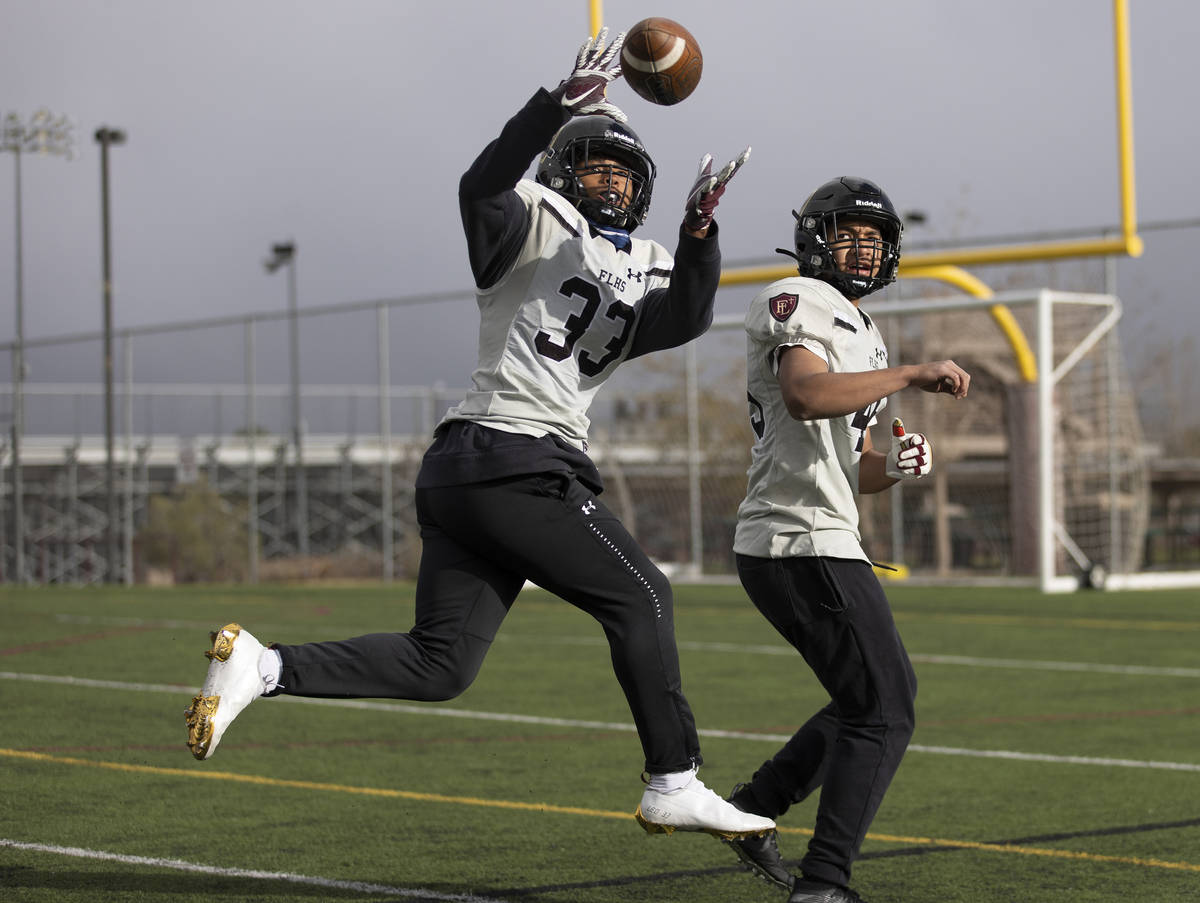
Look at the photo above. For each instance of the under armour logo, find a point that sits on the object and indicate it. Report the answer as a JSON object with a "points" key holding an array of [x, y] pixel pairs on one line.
{"points": [[633, 274], [588, 507]]}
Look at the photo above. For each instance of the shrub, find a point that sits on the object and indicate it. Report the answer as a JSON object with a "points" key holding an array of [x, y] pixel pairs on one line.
{"points": [[197, 535]]}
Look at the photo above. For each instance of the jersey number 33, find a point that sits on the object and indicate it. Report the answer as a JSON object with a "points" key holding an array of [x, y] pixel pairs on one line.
{"points": [[579, 289]]}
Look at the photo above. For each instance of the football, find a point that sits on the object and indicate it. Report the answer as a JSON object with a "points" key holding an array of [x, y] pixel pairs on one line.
{"points": [[661, 61]]}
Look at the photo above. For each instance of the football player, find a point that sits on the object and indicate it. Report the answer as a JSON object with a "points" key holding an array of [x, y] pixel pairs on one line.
{"points": [[507, 492], [818, 376]]}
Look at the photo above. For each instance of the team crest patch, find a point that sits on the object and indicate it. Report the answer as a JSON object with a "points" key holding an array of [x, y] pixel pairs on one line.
{"points": [[783, 306]]}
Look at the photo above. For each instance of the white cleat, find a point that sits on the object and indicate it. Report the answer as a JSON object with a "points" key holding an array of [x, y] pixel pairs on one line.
{"points": [[696, 808], [232, 683]]}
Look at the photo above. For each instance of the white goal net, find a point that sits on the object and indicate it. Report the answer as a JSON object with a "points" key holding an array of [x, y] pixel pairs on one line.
{"points": [[1040, 472]]}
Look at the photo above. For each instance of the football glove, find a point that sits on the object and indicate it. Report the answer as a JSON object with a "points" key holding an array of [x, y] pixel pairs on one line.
{"points": [[582, 92], [706, 192], [911, 455]]}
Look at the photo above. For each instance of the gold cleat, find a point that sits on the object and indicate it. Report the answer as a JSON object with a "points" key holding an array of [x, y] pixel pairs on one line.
{"points": [[200, 725], [650, 827], [730, 836], [232, 683], [696, 808], [222, 642]]}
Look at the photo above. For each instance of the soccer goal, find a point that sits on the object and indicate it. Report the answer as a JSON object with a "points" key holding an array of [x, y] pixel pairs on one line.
{"points": [[1041, 470], [1041, 473]]}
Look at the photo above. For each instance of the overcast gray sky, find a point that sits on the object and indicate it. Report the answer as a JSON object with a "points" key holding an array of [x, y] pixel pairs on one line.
{"points": [[344, 126]]}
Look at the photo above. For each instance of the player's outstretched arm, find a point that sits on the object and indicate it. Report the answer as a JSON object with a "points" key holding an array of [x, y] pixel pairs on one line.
{"points": [[583, 91], [812, 392], [706, 193]]}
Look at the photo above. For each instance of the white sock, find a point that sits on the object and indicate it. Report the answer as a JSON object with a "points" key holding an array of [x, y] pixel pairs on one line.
{"points": [[270, 668], [668, 783]]}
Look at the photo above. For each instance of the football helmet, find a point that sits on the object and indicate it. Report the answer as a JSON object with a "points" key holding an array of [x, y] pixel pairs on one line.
{"points": [[587, 137], [817, 223]]}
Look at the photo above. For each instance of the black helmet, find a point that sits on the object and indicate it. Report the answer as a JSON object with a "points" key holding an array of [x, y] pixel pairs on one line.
{"points": [[583, 138], [817, 221]]}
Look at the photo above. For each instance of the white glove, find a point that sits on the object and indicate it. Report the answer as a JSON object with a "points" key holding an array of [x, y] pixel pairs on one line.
{"points": [[911, 455], [582, 92]]}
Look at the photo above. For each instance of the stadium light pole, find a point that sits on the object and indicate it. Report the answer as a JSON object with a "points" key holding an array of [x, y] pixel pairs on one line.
{"points": [[284, 254], [42, 135], [107, 137]]}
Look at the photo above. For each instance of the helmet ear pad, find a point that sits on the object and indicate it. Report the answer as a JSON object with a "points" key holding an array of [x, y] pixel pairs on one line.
{"points": [[812, 251]]}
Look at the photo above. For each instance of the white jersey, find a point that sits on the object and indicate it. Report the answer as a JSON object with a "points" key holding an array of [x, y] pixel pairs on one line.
{"points": [[803, 477], [554, 328]]}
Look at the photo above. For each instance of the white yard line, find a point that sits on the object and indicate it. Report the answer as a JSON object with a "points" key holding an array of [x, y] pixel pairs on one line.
{"points": [[1059, 760], [966, 661], [1033, 665], [970, 661], [402, 708], [183, 866]]}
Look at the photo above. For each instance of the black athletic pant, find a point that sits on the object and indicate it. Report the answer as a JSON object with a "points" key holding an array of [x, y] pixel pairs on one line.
{"points": [[480, 543], [836, 615]]}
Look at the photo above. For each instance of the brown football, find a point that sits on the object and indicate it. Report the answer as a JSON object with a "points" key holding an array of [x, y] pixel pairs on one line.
{"points": [[661, 61]]}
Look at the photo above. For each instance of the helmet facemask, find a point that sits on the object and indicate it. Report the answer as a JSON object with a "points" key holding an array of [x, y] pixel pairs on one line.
{"points": [[823, 232], [596, 145], [609, 207]]}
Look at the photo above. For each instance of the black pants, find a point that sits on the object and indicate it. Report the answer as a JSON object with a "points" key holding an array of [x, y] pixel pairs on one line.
{"points": [[835, 613], [480, 543]]}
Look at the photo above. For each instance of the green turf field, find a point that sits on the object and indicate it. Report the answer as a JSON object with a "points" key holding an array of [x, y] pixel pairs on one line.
{"points": [[1057, 755]]}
